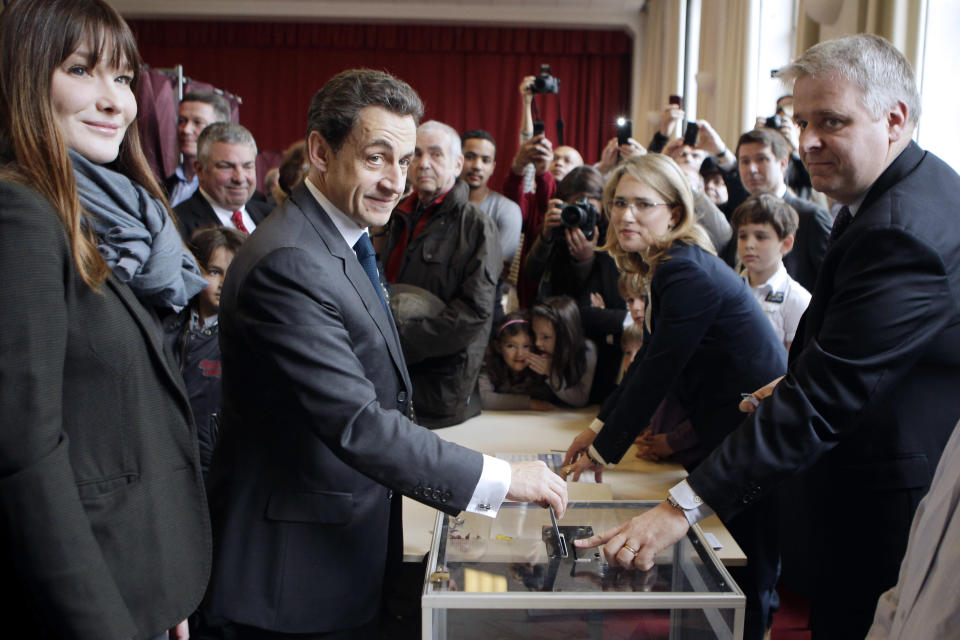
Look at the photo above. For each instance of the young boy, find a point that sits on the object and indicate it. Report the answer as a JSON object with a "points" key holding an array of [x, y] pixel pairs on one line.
{"points": [[636, 298], [765, 226]]}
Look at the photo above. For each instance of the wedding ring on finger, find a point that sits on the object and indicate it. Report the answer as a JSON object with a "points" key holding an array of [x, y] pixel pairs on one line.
{"points": [[629, 548]]}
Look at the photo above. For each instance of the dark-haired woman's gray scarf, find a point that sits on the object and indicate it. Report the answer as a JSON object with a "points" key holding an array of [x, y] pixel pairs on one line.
{"points": [[136, 237]]}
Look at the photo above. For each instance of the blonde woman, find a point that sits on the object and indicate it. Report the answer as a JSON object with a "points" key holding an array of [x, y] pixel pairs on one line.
{"points": [[709, 341]]}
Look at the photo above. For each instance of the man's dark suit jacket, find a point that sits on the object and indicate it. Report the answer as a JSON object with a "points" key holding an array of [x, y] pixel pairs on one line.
{"points": [[870, 397], [105, 530], [810, 244], [195, 213], [315, 433]]}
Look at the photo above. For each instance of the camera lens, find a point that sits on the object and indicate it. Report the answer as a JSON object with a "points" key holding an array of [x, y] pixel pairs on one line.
{"points": [[573, 215]]}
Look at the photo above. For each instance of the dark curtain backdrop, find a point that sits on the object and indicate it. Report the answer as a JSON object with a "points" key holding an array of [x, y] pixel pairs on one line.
{"points": [[468, 77]]}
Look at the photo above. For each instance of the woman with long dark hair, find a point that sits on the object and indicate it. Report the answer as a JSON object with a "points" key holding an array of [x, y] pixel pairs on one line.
{"points": [[104, 528]]}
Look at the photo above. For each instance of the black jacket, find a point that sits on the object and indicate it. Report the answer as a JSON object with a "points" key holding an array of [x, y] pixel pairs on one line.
{"points": [[197, 353], [870, 398], [195, 213], [105, 530], [456, 257]]}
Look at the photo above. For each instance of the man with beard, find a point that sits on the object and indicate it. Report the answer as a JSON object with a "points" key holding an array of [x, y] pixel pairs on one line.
{"points": [[479, 162]]}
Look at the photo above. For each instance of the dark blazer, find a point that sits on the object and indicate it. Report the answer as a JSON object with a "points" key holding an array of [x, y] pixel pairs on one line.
{"points": [[195, 213], [105, 531], [871, 395], [710, 340], [315, 433], [809, 247]]}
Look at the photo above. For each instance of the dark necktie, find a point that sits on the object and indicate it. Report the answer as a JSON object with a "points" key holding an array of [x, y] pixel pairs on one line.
{"points": [[237, 219], [844, 218], [368, 260]]}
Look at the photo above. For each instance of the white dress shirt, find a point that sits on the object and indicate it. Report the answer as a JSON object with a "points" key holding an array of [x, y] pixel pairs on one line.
{"points": [[784, 300], [226, 215]]}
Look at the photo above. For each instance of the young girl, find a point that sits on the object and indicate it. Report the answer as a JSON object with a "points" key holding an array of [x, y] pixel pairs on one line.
{"points": [[193, 334], [561, 353], [506, 381]]}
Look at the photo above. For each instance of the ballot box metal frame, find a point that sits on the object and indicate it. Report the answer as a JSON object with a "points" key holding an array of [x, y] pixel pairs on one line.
{"points": [[437, 601]]}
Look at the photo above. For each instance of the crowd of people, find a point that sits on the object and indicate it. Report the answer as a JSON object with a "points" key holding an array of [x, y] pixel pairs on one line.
{"points": [[211, 411]]}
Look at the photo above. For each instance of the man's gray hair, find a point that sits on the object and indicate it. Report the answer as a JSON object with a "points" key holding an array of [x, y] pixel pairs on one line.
{"points": [[876, 67], [454, 147], [229, 132], [221, 108]]}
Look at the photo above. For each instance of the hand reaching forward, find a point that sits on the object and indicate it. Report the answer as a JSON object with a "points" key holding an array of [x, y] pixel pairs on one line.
{"points": [[534, 482], [750, 403], [576, 461], [638, 541]]}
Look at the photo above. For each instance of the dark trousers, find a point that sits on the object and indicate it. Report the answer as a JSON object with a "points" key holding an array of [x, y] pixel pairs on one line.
{"points": [[756, 531], [234, 631]]}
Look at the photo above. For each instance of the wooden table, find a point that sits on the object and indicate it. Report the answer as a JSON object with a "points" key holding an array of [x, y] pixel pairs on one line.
{"points": [[539, 432]]}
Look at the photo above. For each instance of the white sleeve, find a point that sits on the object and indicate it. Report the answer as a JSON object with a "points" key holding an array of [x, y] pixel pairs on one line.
{"points": [[492, 488], [694, 508]]}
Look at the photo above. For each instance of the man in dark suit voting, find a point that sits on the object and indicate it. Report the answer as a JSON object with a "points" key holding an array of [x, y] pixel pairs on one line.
{"points": [[870, 396], [317, 442]]}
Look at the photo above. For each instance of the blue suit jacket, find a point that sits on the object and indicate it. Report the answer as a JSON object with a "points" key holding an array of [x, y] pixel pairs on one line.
{"points": [[315, 434]]}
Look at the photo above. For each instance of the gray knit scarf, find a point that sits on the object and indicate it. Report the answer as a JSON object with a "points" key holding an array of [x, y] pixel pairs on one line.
{"points": [[136, 237]]}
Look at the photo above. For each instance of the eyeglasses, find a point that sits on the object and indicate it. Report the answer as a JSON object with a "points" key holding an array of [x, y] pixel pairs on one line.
{"points": [[620, 205]]}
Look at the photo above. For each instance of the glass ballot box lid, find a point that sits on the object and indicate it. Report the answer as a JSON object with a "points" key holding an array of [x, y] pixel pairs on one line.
{"points": [[510, 577]]}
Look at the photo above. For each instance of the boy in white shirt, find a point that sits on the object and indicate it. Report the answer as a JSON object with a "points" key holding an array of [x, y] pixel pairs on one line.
{"points": [[765, 227]]}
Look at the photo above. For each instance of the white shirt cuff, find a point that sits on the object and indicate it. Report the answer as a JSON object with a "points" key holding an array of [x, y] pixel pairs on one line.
{"points": [[596, 457], [492, 488], [694, 508], [596, 425]]}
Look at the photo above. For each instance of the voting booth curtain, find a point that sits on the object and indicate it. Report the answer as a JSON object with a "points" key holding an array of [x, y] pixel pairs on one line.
{"points": [[468, 77]]}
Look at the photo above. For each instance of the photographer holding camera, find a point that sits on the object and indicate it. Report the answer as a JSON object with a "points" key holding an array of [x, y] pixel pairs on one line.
{"points": [[563, 261], [531, 182]]}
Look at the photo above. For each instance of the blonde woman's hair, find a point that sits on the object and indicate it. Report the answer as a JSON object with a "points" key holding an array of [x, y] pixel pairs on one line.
{"points": [[662, 175]]}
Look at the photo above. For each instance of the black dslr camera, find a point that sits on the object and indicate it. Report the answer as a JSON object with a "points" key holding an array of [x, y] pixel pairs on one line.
{"points": [[580, 215], [775, 122], [545, 83]]}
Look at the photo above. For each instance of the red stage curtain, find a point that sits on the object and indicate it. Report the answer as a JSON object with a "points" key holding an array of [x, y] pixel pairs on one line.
{"points": [[467, 76]]}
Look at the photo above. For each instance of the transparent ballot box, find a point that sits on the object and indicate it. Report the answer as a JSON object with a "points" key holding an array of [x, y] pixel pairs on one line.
{"points": [[509, 577]]}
